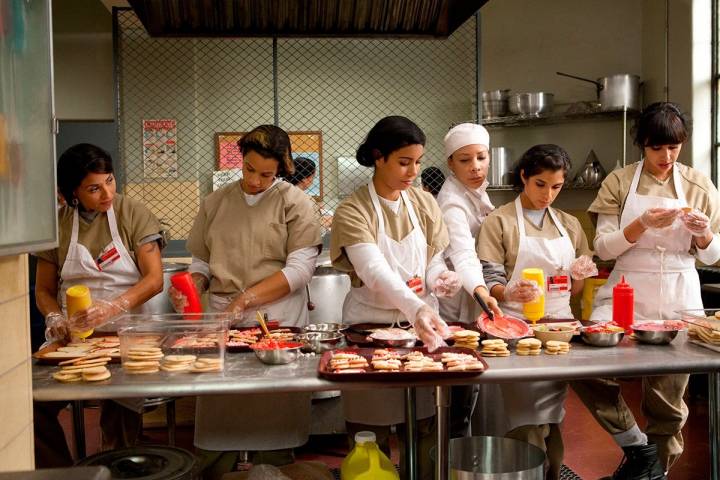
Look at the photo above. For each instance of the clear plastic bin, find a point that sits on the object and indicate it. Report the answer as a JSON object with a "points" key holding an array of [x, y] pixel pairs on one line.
{"points": [[172, 343], [703, 325]]}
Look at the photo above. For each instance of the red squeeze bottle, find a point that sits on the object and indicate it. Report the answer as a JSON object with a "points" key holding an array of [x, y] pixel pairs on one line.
{"points": [[184, 283], [624, 305]]}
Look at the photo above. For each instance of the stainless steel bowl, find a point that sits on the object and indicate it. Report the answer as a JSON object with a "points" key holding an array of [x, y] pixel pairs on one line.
{"points": [[278, 356], [655, 337], [396, 343], [601, 339], [494, 108], [531, 104], [320, 342], [496, 95], [325, 327]]}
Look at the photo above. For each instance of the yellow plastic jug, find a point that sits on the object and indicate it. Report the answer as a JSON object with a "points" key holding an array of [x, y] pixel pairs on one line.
{"points": [[77, 298], [534, 311], [366, 461]]}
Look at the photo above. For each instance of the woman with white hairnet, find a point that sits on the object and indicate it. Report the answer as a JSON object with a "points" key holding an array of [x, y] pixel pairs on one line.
{"points": [[464, 202]]}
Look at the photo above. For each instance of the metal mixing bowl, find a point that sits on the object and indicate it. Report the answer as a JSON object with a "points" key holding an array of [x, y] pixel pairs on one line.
{"points": [[320, 342], [655, 337], [394, 343], [278, 356], [601, 339], [325, 327], [531, 104]]}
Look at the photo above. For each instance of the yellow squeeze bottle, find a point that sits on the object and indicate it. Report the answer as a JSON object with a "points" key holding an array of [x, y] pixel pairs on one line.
{"points": [[366, 461], [534, 311], [77, 299]]}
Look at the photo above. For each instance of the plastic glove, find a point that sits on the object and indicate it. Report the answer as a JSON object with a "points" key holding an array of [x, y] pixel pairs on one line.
{"points": [[696, 223], [430, 328], [237, 307], [447, 285], [177, 299], [583, 267], [522, 291], [55, 327], [99, 313], [659, 217]]}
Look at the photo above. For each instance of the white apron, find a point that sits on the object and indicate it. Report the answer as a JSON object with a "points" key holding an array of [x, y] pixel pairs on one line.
{"points": [[407, 258], [537, 403], [659, 266], [257, 421], [80, 269]]}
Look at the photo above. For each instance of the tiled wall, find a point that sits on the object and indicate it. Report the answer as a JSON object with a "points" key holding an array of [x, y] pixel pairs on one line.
{"points": [[16, 434]]}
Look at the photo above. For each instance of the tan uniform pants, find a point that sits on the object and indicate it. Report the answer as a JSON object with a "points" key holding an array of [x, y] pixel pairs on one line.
{"points": [[662, 405], [548, 438]]}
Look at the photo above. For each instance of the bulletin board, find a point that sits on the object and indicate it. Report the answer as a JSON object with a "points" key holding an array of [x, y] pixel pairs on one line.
{"points": [[306, 144]]}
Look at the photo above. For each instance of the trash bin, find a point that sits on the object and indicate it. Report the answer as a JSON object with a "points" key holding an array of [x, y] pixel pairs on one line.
{"points": [[495, 458], [146, 463]]}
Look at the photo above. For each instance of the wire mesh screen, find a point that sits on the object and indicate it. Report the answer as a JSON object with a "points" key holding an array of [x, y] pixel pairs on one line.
{"points": [[183, 103]]}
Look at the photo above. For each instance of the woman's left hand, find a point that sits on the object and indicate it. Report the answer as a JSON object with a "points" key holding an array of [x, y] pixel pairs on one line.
{"points": [[447, 284], [583, 267], [237, 307], [99, 313], [696, 223]]}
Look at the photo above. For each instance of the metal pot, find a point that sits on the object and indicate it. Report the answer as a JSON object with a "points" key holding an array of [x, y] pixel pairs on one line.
{"points": [[615, 92], [531, 104], [160, 302], [500, 167]]}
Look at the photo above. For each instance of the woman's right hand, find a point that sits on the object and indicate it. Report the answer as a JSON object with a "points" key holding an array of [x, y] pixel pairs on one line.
{"points": [[56, 327], [659, 217], [178, 300], [522, 291], [430, 328]]}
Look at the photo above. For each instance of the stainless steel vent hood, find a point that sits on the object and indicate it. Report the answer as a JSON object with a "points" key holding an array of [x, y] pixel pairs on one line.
{"points": [[304, 18]]}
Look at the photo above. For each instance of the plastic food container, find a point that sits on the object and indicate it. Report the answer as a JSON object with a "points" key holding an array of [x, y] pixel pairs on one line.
{"points": [[703, 326], [170, 343]]}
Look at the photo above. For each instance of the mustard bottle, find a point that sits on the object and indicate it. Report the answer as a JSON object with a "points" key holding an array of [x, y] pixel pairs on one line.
{"points": [[77, 299], [534, 311]]}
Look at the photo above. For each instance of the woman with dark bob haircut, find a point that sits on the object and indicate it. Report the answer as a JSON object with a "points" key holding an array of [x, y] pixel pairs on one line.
{"points": [[254, 244], [304, 173], [390, 237], [111, 244], [529, 233], [655, 218]]}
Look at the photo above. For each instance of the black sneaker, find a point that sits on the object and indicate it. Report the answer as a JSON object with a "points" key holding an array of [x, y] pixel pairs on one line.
{"points": [[640, 462]]}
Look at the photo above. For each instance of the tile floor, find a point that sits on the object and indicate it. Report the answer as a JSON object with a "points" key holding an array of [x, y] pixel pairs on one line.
{"points": [[589, 450]]}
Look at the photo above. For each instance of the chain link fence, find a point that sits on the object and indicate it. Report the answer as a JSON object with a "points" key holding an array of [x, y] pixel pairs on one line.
{"points": [[326, 92]]}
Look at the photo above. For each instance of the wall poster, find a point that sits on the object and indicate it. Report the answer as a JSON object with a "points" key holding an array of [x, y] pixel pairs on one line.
{"points": [[160, 148]]}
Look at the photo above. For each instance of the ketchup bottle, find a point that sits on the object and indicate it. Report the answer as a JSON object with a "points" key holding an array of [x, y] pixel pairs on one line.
{"points": [[624, 305], [184, 283]]}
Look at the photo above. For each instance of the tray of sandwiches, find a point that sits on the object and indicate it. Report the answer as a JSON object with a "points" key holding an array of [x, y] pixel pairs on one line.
{"points": [[400, 364], [99, 345]]}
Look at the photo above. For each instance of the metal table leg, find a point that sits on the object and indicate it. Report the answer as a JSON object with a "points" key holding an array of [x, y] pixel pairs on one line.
{"points": [[78, 415], [714, 427], [442, 405], [170, 420], [411, 440]]}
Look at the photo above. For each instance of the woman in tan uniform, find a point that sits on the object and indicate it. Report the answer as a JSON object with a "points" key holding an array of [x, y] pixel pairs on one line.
{"points": [[641, 224], [110, 243], [528, 233], [254, 245]]}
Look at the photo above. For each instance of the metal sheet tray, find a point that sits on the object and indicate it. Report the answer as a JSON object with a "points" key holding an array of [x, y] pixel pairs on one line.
{"points": [[377, 375]]}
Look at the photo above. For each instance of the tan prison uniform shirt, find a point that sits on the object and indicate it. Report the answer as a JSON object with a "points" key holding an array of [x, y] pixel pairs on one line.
{"points": [[700, 193], [134, 220], [355, 221], [498, 240], [245, 244]]}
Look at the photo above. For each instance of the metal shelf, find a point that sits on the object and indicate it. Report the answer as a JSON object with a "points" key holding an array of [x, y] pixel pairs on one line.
{"points": [[552, 118]]}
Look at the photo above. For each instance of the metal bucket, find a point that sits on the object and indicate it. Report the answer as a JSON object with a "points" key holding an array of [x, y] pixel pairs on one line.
{"points": [[495, 458], [146, 463], [500, 168], [160, 303]]}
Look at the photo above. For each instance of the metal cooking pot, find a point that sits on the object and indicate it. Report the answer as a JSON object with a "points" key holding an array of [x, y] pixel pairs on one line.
{"points": [[531, 104], [615, 92], [500, 167]]}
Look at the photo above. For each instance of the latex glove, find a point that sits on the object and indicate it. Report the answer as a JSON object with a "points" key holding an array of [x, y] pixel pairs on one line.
{"points": [[583, 267], [696, 223], [522, 291], [659, 217], [239, 305], [99, 313], [178, 300], [55, 327], [447, 285], [430, 328]]}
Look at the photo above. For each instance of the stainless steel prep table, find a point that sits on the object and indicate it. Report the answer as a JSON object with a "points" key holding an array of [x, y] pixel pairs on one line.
{"points": [[245, 374]]}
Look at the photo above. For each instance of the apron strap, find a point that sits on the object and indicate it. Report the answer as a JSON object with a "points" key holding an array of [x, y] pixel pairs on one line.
{"points": [[75, 227], [114, 233], [675, 177], [378, 210], [521, 219]]}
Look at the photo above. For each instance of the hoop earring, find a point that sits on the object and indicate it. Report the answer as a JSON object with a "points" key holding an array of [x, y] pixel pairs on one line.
{"points": [[74, 202]]}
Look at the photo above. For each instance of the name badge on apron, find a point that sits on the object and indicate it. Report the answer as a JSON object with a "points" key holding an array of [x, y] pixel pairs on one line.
{"points": [[107, 257], [558, 284], [416, 285]]}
